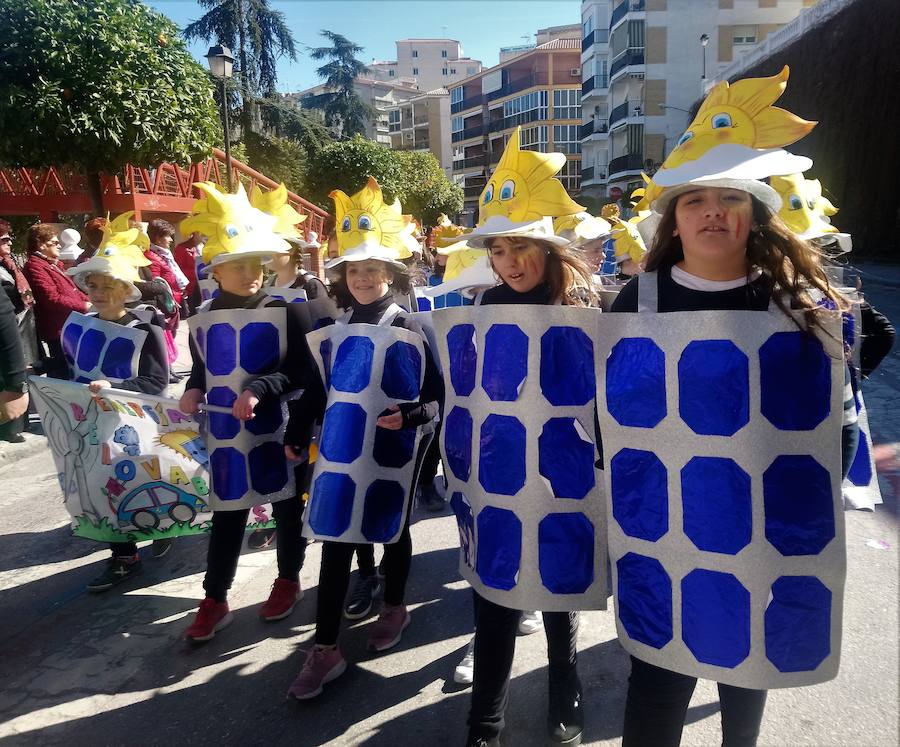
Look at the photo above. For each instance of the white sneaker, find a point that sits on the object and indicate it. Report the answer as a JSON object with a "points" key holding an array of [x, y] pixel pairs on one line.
{"points": [[530, 622], [465, 670]]}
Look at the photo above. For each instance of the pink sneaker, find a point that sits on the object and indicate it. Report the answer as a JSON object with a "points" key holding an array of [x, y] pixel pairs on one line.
{"points": [[389, 627], [282, 600], [322, 665]]}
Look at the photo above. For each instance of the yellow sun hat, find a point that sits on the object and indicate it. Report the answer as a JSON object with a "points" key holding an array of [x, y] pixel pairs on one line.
{"points": [[627, 240], [736, 139], [446, 233], [580, 228], [369, 228], [112, 261], [806, 211], [522, 197], [275, 203], [467, 268], [234, 228]]}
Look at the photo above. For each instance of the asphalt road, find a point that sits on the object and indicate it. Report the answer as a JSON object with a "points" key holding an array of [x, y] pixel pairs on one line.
{"points": [[79, 669]]}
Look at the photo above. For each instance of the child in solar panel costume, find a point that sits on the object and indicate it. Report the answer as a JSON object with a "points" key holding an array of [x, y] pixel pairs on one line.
{"points": [[719, 246], [379, 392], [248, 351], [534, 267], [113, 346]]}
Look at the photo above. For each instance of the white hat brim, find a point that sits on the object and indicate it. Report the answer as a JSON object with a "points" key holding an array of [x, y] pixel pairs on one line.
{"points": [[733, 161], [264, 255], [333, 266], [762, 191], [499, 225], [82, 271], [478, 275]]}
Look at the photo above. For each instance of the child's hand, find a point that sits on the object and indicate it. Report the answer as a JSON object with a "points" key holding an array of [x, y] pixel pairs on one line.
{"points": [[295, 454], [96, 386], [393, 422], [243, 405], [190, 401]]}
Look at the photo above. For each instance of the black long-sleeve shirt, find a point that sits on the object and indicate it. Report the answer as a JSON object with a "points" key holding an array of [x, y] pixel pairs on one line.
{"points": [[310, 407], [878, 336], [293, 373], [12, 358]]}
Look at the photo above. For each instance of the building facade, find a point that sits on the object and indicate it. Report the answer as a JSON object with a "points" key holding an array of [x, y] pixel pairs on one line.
{"points": [[429, 63], [423, 123], [540, 90], [644, 64]]}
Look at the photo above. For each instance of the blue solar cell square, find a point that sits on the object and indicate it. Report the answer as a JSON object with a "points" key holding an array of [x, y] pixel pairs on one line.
{"points": [[645, 599], [267, 418], [394, 449], [382, 510], [221, 349], [566, 553], [332, 505], [465, 524], [458, 442], [860, 473], [717, 505], [505, 362], [402, 371], [117, 359], [221, 425], [566, 458], [795, 381], [798, 624], [640, 494], [636, 382], [501, 461], [343, 429], [715, 618], [714, 387], [268, 467], [69, 340], [799, 505], [89, 349], [463, 358], [353, 364], [228, 472], [499, 554], [260, 350], [567, 366]]}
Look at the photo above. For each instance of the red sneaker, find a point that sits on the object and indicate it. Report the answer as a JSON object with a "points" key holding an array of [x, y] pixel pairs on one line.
{"points": [[389, 627], [211, 617], [322, 665], [284, 595]]}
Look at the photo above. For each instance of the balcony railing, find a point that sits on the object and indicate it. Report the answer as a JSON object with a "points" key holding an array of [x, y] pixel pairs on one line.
{"points": [[620, 10], [630, 162], [597, 36], [623, 111], [468, 103], [596, 82], [520, 84], [631, 57], [587, 41], [467, 133], [598, 126], [470, 162], [587, 173], [471, 192], [515, 120]]}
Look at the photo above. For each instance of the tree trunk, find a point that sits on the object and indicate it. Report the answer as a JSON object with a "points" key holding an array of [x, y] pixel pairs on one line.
{"points": [[95, 192]]}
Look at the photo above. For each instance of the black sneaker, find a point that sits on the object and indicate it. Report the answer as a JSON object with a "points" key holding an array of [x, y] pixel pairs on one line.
{"points": [[117, 570], [161, 547], [360, 604], [430, 499], [260, 538], [474, 741], [565, 715]]}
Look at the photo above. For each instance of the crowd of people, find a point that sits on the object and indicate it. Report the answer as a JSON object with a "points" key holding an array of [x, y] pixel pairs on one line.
{"points": [[716, 244]]}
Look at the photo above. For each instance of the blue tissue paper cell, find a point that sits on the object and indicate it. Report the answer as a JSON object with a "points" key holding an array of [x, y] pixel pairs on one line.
{"points": [[636, 382], [505, 362]]}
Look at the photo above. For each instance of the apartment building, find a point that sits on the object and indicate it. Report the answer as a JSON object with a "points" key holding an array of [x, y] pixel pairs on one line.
{"points": [[429, 63], [423, 123], [540, 90], [644, 64]]}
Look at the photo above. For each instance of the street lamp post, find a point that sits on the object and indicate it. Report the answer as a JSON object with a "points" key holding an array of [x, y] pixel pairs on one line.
{"points": [[704, 42], [221, 65]]}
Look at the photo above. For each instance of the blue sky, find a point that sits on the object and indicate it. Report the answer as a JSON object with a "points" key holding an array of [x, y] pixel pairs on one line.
{"points": [[482, 27]]}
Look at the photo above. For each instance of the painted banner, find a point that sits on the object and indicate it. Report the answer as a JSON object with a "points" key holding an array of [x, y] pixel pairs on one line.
{"points": [[518, 446], [721, 439]]}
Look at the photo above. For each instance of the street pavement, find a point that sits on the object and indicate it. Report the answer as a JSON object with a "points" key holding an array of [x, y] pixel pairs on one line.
{"points": [[111, 669]]}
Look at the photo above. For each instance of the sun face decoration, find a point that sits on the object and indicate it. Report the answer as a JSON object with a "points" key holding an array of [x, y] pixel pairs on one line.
{"points": [[231, 224], [628, 241], [460, 257], [805, 211], [522, 187], [740, 114], [123, 242], [365, 217], [275, 204]]}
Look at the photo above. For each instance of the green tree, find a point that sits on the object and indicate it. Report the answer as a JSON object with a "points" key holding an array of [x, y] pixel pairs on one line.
{"points": [[260, 36], [344, 110], [279, 158], [425, 190], [97, 85]]}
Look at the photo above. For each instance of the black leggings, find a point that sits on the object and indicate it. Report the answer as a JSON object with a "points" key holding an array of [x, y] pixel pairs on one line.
{"points": [[658, 700], [227, 537], [432, 458], [495, 646]]}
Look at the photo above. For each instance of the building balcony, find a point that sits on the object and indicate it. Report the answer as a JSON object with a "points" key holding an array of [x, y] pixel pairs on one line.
{"points": [[469, 103], [623, 165], [422, 120], [597, 127], [508, 123], [626, 59], [621, 113], [597, 36], [587, 173], [621, 10], [519, 84], [394, 127], [594, 83], [467, 133], [473, 193], [471, 162]]}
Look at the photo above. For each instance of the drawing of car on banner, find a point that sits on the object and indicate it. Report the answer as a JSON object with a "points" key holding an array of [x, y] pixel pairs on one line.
{"points": [[148, 504]]}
